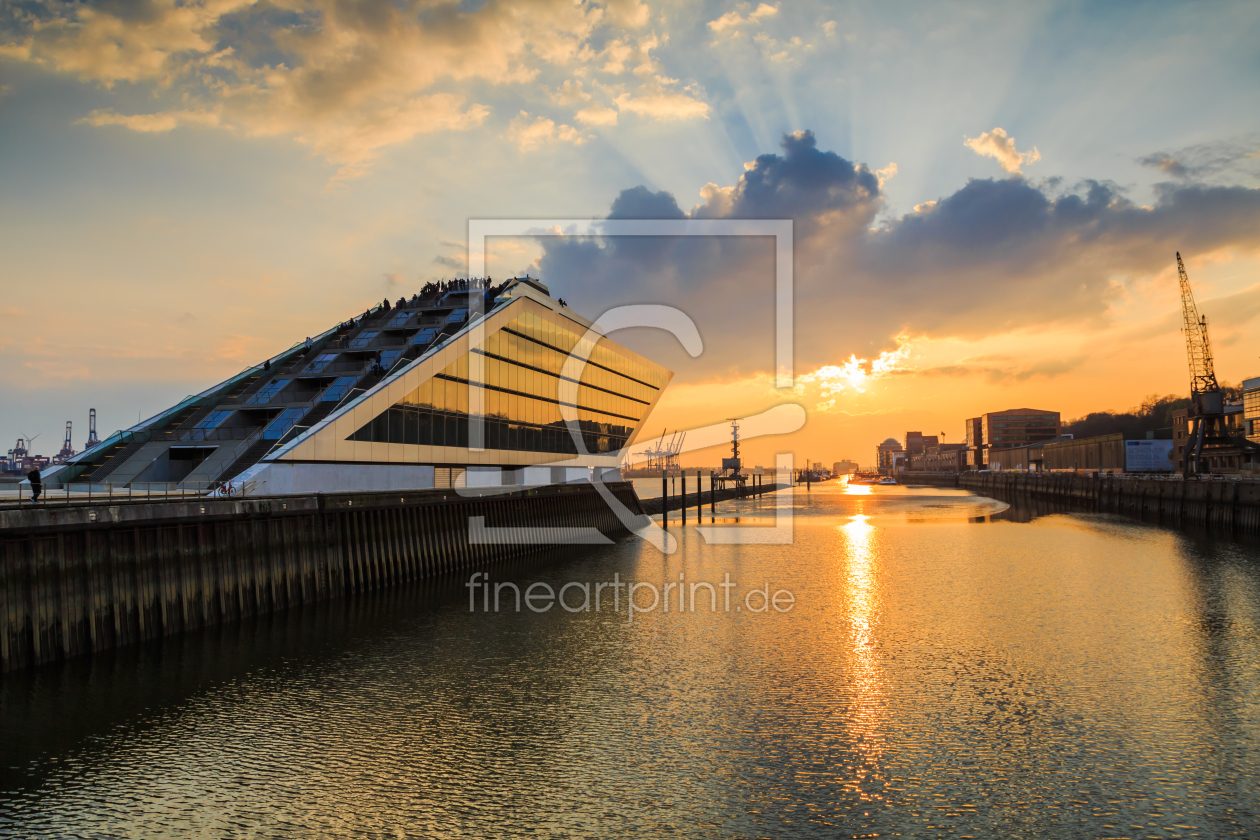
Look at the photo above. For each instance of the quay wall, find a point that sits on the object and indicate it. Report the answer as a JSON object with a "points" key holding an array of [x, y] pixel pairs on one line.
{"points": [[84, 578], [936, 479], [1227, 506]]}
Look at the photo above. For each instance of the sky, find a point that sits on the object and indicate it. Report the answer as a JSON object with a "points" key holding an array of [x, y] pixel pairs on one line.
{"points": [[986, 199]]}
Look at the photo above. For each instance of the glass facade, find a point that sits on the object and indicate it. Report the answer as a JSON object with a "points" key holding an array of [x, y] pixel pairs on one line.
{"points": [[282, 423], [268, 391], [339, 388], [321, 361], [522, 366], [213, 419], [361, 341]]}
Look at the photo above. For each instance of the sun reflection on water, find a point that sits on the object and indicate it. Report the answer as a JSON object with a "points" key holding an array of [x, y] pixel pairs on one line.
{"points": [[867, 720]]}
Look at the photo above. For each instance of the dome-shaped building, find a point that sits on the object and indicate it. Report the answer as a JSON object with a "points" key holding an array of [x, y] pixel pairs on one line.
{"points": [[887, 455]]}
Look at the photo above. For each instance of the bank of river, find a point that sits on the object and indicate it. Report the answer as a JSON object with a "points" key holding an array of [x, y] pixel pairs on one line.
{"points": [[943, 670]]}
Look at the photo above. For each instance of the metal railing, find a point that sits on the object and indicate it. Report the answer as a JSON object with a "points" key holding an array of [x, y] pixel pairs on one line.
{"points": [[352, 366], [95, 494], [195, 435]]}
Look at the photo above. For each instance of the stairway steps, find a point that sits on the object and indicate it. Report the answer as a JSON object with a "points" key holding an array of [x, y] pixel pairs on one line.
{"points": [[111, 463], [247, 459]]}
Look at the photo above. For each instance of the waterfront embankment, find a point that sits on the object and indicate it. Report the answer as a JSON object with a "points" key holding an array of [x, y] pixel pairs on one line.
{"points": [[1224, 506], [81, 578]]}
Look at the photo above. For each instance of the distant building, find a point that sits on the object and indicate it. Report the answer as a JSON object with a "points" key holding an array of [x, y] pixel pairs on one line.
{"points": [[844, 467], [1251, 409], [916, 442], [887, 456], [974, 437], [1237, 425], [1009, 429], [941, 457]]}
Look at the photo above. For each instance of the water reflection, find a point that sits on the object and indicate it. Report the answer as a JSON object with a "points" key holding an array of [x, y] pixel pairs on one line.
{"points": [[1073, 675], [865, 722]]}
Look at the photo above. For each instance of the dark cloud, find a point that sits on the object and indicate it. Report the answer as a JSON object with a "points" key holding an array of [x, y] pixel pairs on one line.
{"points": [[1229, 160], [996, 255], [802, 184]]}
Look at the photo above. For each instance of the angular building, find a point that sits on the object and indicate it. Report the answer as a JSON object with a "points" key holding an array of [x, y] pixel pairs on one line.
{"points": [[416, 395]]}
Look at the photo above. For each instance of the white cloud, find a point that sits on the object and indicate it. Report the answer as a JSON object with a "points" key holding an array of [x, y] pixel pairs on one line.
{"points": [[351, 79], [570, 93], [659, 100], [596, 115], [632, 14], [529, 136], [886, 174], [734, 19], [152, 123], [996, 144]]}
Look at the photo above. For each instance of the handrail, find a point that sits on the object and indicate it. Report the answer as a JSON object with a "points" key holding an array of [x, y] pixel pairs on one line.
{"points": [[195, 435]]}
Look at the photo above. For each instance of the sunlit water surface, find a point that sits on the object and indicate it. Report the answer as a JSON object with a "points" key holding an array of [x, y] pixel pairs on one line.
{"points": [[944, 672]]}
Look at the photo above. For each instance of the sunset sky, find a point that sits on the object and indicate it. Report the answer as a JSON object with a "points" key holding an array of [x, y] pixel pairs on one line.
{"points": [[986, 199]]}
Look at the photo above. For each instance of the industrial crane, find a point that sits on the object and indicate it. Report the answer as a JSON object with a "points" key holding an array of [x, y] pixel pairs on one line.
{"points": [[92, 438], [67, 449], [1207, 402]]}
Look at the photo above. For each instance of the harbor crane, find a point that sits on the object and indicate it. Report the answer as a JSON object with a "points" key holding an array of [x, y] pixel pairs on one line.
{"points": [[92, 439], [663, 454], [67, 449], [1207, 401]]}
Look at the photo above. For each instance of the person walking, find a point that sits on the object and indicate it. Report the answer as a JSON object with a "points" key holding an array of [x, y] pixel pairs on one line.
{"points": [[37, 484]]}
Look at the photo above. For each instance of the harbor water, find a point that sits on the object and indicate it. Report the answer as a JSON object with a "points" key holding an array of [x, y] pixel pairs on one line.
{"points": [[918, 663]]}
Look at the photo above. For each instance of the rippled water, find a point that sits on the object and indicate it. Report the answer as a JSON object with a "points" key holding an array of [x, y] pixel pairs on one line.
{"points": [[944, 672]]}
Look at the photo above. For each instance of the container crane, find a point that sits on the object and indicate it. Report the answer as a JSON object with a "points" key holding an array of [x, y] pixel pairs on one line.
{"points": [[67, 448], [92, 439], [1207, 402]]}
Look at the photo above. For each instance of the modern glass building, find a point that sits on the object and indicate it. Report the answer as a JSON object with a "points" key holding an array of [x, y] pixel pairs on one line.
{"points": [[424, 394]]}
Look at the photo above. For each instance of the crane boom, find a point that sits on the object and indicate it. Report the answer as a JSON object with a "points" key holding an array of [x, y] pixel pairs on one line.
{"points": [[1198, 347]]}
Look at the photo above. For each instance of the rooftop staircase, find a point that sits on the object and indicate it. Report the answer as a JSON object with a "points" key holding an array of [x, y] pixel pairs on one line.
{"points": [[113, 459], [247, 459]]}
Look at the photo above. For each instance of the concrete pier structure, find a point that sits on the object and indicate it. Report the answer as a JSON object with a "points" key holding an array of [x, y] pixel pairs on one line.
{"points": [[85, 578]]}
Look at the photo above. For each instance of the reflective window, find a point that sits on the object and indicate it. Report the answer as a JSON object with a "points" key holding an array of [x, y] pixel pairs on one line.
{"points": [[425, 337], [398, 319], [338, 389], [321, 361], [283, 422], [521, 368], [212, 420], [268, 391], [362, 340]]}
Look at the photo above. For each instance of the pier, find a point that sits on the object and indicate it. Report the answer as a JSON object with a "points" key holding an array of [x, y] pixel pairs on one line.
{"points": [[83, 578], [705, 498]]}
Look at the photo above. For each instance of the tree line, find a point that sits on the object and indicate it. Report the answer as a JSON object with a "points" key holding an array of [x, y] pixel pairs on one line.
{"points": [[1155, 414]]}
